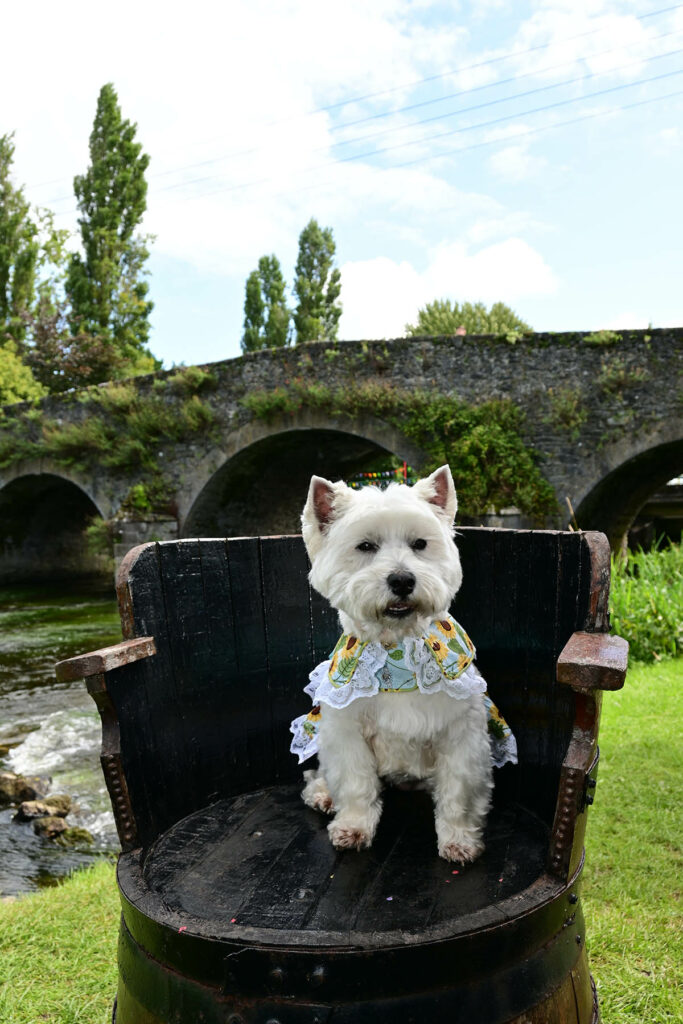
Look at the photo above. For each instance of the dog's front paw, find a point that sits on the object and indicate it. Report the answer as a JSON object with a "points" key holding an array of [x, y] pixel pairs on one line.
{"points": [[316, 794], [461, 845], [460, 853], [346, 836]]}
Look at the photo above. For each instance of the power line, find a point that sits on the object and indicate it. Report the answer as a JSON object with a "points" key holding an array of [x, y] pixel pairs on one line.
{"points": [[500, 81], [514, 96], [424, 103], [517, 135], [439, 135], [481, 64], [429, 79], [453, 113]]}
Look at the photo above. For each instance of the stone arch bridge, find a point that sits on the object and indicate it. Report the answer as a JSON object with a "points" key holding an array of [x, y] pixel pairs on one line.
{"points": [[227, 449]]}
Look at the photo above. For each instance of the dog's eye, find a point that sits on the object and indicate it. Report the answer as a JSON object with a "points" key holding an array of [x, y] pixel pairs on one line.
{"points": [[366, 546], [419, 545]]}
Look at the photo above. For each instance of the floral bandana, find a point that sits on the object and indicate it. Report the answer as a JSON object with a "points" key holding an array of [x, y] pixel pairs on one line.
{"points": [[439, 661]]}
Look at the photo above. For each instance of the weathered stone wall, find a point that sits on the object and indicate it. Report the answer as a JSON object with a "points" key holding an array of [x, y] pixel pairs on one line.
{"points": [[604, 415]]}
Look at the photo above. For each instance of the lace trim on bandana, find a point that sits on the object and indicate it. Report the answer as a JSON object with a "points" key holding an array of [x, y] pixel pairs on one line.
{"points": [[441, 661]]}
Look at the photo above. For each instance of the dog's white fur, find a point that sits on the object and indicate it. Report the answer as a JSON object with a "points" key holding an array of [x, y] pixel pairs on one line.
{"points": [[434, 738]]}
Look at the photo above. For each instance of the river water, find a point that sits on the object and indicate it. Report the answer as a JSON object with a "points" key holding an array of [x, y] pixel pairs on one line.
{"points": [[51, 728]]}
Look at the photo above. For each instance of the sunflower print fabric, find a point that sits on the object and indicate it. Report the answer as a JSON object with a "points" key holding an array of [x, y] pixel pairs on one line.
{"points": [[440, 661]]}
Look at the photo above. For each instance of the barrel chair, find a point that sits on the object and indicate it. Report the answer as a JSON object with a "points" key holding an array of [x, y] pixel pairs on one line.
{"points": [[236, 909]]}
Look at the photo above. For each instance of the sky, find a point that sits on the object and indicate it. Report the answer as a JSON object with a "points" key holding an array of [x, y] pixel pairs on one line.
{"points": [[529, 152]]}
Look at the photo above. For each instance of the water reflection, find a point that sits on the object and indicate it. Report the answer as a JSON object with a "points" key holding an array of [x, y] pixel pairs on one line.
{"points": [[50, 728]]}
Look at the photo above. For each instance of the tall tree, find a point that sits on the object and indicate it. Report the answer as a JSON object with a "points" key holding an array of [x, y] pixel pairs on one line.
{"points": [[266, 316], [105, 285], [317, 286], [445, 317], [19, 250]]}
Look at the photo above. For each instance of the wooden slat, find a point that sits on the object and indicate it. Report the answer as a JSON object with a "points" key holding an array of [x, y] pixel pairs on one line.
{"points": [[284, 569], [250, 737]]}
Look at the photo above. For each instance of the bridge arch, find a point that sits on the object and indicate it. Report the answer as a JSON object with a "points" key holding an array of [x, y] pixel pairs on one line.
{"points": [[258, 484], [43, 516], [626, 481]]}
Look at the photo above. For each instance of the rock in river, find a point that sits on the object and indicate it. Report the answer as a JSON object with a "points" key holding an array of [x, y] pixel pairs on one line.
{"points": [[49, 827], [15, 789], [57, 804]]}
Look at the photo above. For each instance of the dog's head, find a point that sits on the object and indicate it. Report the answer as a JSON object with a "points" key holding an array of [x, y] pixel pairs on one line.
{"points": [[385, 560]]}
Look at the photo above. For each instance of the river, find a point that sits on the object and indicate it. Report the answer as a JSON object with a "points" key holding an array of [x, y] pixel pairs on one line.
{"points": [[51, 728]]}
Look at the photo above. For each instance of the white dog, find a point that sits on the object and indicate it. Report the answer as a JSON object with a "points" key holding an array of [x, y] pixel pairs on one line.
{"points": [[400, 698]]}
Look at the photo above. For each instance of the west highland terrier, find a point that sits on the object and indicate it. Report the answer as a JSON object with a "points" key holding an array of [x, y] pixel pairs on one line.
{"points": [[400, 698]]}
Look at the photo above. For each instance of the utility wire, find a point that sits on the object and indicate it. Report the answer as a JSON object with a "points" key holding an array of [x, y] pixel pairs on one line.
{"points": [[431, 78], [444, 116], [439, 135], [424, 103], [508, 138], [481, 64]]}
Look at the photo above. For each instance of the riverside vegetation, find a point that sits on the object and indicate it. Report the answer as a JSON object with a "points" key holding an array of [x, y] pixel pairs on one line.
{"points": [[58, 947]]}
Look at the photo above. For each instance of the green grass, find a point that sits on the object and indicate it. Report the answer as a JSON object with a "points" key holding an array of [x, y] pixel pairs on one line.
{"points": [[58, 952], [633, 865], [58, 947]]}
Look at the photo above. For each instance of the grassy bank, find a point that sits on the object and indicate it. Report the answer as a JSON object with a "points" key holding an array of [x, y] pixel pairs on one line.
{"points": [[58, 948]]}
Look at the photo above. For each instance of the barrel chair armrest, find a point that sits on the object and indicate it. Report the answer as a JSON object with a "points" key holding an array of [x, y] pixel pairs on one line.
{"points": [[94, 668], [589, 664], [105, 660], [593, 661]]}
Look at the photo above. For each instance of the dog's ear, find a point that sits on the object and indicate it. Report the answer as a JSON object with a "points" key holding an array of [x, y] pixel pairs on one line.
{"points": [[439, 490], [325, 503], [321, 500]]}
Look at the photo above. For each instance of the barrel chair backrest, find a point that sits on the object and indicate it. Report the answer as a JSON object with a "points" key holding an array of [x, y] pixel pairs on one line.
{"points": [[237, 629]]}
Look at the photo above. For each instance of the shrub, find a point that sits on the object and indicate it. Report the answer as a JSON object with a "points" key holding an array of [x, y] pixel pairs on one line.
{"points": [[646, 602]]}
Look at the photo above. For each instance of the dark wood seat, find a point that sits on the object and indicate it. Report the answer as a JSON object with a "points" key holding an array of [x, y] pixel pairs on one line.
{"points": [[236, 908], [263, 861]]}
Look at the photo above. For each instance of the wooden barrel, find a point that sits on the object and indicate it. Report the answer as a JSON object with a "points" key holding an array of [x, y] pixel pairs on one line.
{"points": [[236, 908], [243, 913]]}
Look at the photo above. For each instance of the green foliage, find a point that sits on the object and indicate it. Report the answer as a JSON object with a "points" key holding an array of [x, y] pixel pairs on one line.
{"points": [[443, 317], [62, 357], [317, 286], [602, 338], [567, 411], [17, 383], [106, 285], [188, 380], [99, 536], [646, 602], [483, 444], [254, 315], [138, 499], [19, 250], [266, 316], [616, 375], [119, 429]]}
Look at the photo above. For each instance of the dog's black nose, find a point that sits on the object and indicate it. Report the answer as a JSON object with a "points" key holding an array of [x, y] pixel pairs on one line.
{"points": [[401, 583]]}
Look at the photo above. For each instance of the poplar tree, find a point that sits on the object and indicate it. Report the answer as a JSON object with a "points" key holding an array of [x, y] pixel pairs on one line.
{"points": [[105, 285], [19, 250], [266, 316], [317, 286]]}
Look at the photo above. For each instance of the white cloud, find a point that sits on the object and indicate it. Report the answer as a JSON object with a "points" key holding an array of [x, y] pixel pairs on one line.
{"points": [[381, 296], [516, 163]]}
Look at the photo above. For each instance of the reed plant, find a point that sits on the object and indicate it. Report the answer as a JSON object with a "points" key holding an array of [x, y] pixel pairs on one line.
{"points": [[646, 601]]}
